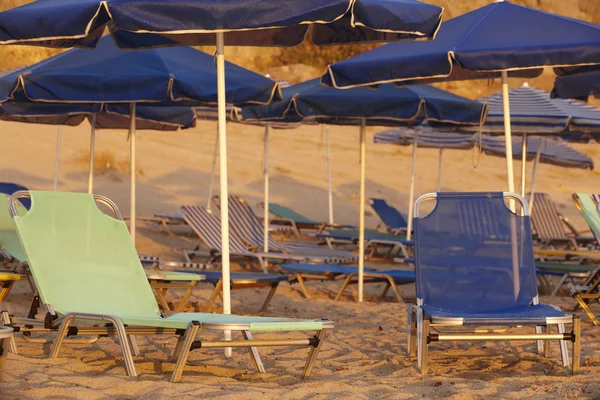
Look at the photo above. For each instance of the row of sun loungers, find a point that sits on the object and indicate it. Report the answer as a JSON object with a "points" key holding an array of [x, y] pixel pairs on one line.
{"points": [[467, 274]]}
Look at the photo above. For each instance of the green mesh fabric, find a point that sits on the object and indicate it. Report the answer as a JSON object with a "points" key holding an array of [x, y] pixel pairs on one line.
{"points": [[589, 213], [82, 260]]}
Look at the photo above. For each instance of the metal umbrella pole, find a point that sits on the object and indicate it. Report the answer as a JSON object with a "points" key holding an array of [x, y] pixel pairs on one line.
{"points": [[329, 174], [439, 182], [57, 161], [92, 149], [225, 266], [132, 171], [538, 154], [411, 195], [361, 220], [508, 137], [523, 164], [266, 201]]}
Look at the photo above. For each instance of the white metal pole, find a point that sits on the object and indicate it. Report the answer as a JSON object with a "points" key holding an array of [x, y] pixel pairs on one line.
{"points": [[439, 185], [212, 173], [57, 161], [523, 164], [329, 174], [508, 137], [225, 267], [411, 195], [538, 154], [361, 220], [132, 167], [92, 149], [266, 202]]}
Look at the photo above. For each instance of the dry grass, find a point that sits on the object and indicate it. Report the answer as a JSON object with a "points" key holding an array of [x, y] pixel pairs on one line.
{"points": [[107, 164]]}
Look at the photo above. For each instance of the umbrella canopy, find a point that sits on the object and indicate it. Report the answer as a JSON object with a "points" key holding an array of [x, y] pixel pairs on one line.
{"points": [[477, 45], [385, 105], [164, 76], [532, 111], [551, 152], [106, 116], [140, 23], [577, 83]]}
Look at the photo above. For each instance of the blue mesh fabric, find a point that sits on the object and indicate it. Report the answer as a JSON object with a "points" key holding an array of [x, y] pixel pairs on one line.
{"points": [[472, 254]]}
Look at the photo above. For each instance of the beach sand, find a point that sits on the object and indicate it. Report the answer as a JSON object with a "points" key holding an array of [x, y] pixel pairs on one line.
{"points": [[365, 356]]}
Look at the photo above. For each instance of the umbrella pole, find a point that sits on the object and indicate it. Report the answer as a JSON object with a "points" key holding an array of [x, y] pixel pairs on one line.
{"points": [[534, 174], [132, 167], [329, 178], [92, 149], [439, 184], [266, 202], [361, 220], [508, 138], [523, 164], [212, 174], [411, 195], [225, 267], [57, 162]]}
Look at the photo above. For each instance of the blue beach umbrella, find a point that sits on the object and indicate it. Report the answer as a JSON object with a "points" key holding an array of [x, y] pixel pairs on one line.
{"points": [[577, 83], [148, 23], [180, 76], [385, 105], [500, 39]]}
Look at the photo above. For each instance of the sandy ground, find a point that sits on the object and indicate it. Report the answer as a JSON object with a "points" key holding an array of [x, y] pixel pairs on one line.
{"points": [[365, 356]]}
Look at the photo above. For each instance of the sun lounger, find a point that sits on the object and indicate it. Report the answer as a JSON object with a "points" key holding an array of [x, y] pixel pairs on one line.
{"points": [[549, 226], [349, 273], [239, 280], [286, 216], [208, 228], [568, 274], [249, 228], [396, 246], [590, 292], [389, 216], [488, 280], [88, 272]]}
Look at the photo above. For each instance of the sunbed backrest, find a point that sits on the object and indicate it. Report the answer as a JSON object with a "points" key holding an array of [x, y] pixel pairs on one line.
{"points": [[545, 218], [286, 212], [388, 214], [83, 260], [208, 227], [247, 225], [490, 268], [588, 207]]}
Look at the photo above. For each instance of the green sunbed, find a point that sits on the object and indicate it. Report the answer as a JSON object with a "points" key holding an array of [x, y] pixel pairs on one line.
{"points": [[87, 270]]}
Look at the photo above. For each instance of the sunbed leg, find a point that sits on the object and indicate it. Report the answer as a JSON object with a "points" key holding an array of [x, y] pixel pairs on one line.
{"points": [[214, 295], [540, 343], [557, 287], [576, 343], [125, 342], [254, 355], [186, 296], [564, 352], [425, 346], [547, 342], [386, 290], [419, 317], [395, 288], [312, 356], [134, 346], [12, 344], [344, 286], [184, 352], [60, 335], [161, 299], [177, 348], [269, 297], [302, 285], [409, 330], [587, 310]]}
